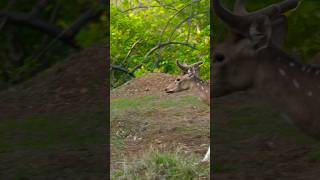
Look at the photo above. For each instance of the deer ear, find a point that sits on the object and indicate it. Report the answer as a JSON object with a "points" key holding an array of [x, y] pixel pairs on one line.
{"points": [[260, 32], [279, 30]]}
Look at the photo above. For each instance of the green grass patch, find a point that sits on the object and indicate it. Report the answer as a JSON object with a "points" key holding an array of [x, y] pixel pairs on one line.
{"points": [[132, 102], [314, 155], [149, 102], [159, 165], [247, 121], [50, 131]]}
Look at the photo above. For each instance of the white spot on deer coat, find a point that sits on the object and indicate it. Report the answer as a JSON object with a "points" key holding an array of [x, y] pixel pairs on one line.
{"points": [[309, 93], [303, 68], [296, 83], [291, 64]]}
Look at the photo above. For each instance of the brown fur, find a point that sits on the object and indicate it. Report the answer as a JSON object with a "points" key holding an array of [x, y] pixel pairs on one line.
{"points": [[277, 77]]}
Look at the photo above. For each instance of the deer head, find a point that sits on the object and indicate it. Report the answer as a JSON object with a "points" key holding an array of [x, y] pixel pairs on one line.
{"points": [[252, 36], [184, 81]]}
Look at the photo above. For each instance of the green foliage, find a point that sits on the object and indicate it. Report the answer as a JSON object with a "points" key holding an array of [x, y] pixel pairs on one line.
{"points": [[157, 24], [304, 35], [25, 51]]}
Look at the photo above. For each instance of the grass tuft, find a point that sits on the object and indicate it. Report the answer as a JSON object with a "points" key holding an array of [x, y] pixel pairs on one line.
{"points": [[162, 165]]}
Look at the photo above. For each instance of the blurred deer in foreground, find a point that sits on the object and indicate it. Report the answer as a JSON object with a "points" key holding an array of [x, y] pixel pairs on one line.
{"points": [[189, 80], [252, 58]]}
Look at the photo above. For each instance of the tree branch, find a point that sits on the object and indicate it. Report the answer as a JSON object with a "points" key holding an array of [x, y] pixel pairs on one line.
{"points": [[83, 20], [147, 7], [9, 5], [119, 68], [130, 51], [180, 24], [48, 28], [37, 7], [189, 23], [174, 15], [158, 46]]}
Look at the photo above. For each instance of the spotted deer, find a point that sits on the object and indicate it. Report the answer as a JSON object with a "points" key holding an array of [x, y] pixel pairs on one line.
{"points": [[251, 58], [189, 80]]}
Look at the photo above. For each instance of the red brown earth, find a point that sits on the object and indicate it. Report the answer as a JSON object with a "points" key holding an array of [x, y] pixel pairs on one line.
{"points": [[64, 94], [76, 85], [254, 157]]}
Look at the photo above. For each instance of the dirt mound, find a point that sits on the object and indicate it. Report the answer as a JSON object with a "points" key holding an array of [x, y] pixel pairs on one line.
{"points": [[149, 84], [78, 84]]}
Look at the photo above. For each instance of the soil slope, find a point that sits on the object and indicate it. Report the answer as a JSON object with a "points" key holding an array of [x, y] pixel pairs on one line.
{"points": [[53, 125], [75, 85]]}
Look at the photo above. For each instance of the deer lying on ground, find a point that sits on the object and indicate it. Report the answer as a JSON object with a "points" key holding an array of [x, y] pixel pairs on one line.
{"points": [[189, 80], [252, 58]]}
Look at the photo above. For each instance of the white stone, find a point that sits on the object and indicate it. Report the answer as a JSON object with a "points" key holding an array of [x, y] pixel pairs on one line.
{"points": [[282, 72], [207, 156], [296, 83]]}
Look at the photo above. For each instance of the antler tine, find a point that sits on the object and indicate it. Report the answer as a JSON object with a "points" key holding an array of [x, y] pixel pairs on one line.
{"points": [[236, 22], [239, 7], [183, 67], [197, 63], [277, 9], [240, 22]]}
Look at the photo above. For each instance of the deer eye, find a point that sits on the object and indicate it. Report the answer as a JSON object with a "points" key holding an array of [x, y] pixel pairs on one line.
{"points": [[178, 79], [219, 57]]}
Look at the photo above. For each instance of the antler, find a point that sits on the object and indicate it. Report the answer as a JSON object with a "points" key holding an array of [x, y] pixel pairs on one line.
{"points": [[185, 67], [239, 7], [240, 21]]}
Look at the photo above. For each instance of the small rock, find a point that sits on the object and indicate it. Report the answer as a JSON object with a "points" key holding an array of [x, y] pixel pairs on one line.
{"points": [[270, 145], [83, 90]]}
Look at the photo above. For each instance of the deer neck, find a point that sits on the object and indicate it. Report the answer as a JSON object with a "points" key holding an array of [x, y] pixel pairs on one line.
{"points": [[293, 87], [201, 88]]}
